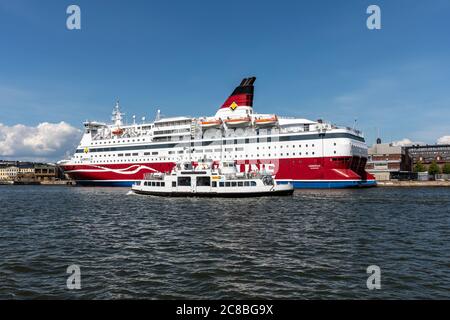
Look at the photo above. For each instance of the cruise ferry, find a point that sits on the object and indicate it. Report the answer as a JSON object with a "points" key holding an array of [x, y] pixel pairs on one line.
{"points": [[308, 154]]}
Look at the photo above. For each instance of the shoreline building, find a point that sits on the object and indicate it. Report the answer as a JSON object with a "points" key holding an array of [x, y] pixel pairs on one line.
{"points": [[426, 154], [384, 160]]}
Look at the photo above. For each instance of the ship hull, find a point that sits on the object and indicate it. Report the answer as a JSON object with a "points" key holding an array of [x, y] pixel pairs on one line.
{"points": [[324, 173]]}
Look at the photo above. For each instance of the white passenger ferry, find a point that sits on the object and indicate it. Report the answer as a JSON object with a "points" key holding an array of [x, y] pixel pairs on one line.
{"points": [[208, 179]]}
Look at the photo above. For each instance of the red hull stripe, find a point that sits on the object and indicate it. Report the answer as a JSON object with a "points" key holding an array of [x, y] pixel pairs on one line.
{"points": [[307, 169]]}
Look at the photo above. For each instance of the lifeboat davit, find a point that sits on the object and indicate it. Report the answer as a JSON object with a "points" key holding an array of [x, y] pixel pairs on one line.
{"points": [[266, 120], [210, 123], [235, 122], [117, 131]]}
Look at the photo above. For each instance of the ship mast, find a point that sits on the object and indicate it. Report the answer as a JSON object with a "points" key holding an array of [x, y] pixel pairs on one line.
{"points": [[117, 115]]}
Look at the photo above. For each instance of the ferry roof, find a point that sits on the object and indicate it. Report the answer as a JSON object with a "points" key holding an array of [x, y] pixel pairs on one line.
{"points": [[172, 119], [288, 121]]}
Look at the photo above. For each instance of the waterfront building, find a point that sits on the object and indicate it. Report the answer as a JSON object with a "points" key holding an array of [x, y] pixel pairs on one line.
{"points": [[426, 154], [384, 159], [45, 172], [9, 173]]}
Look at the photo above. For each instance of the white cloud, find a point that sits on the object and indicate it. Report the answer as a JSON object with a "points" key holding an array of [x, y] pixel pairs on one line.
{"points": [[405, 142], [46, 141], [444, 140]]}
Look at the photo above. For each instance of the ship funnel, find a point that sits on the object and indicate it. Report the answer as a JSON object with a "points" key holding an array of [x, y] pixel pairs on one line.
{"points": [[242, 96]]}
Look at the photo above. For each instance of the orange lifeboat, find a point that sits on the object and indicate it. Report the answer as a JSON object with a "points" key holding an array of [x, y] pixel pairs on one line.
{"points": [[117, 131], [210, 123], [266, 120], [234, 122]]}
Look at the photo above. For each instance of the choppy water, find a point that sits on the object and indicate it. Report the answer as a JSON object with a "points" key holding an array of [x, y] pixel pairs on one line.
{"points": [[316, 244]]}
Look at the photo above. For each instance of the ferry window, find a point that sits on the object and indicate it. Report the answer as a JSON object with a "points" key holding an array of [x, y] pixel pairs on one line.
{"points": [[135, 154], [246, 183], [253, 183], [227, 184], [240, 184], [184, 181], [154, 153], [153, 183], [214, 184], [233, 183], [247, 140], [221, 184], [174, 184], [127, 154], [146, 153], [203, 181], [163, 184]]}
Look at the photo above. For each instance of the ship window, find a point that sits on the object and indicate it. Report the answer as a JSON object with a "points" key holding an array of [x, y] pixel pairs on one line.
{"points": [[240, 184], [203, 181], [221, 184], [184, 181], [227, 184], [127, 154], [214, 184], [174, 184], [233, 183], [246, 183], [253, 183], [153, 183], [135, 154], [163, 184]]}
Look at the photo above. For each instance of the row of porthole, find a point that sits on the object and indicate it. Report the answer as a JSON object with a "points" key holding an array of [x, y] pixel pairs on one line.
{"points": [[123, 141], [177, 159]]}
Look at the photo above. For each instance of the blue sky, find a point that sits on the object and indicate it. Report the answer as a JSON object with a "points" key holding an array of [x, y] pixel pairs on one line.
{"points": [[311, 59]]}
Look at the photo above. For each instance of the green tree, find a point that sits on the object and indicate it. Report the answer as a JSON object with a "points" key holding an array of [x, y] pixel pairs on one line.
{"points": [[446, 168], [434, 168], [419, 167]]}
